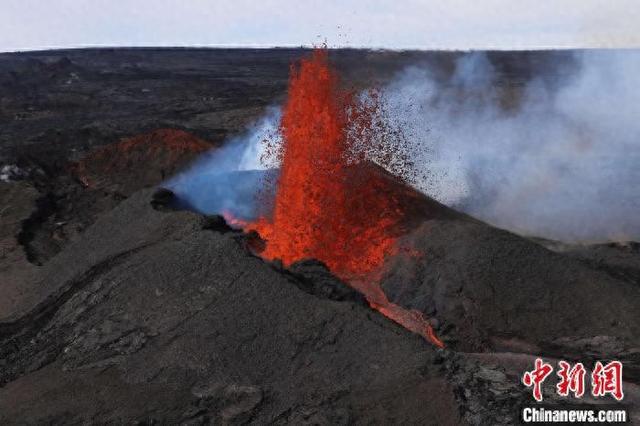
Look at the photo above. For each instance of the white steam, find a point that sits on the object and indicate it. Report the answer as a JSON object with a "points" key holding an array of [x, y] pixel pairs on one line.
{"points": [[563, 164], [228, 179]]}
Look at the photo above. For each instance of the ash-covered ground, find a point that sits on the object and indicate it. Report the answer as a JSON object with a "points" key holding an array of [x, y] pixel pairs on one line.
{"points": [[116, 307]]}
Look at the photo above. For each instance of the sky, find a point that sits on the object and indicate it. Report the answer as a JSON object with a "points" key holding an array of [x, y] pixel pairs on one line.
{"points": [[391, 24]]}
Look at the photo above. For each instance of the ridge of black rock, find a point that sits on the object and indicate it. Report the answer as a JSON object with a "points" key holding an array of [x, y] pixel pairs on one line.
{"points": [[23, 332], [314, 277]]}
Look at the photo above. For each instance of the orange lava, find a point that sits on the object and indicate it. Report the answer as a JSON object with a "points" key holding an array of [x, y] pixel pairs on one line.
{"points": [[324, 207], [330, 203], [410, 319]]}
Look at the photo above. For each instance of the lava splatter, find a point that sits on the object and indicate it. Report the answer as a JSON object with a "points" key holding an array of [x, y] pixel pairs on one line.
{"points": [[333, 203]]}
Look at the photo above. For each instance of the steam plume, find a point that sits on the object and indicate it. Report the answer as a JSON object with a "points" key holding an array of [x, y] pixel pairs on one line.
{"points": [[563, 163], [228, 179]]}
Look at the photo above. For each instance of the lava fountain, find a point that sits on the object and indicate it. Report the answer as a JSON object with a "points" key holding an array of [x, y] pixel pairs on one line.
{"points": [[331, 203]]}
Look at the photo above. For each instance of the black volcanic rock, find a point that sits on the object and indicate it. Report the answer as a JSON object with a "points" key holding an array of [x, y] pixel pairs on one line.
{"points": [[160, 316], [490, 290], [621, 259], [314, 277], [163, 199], [151, 318], [19, 206]]}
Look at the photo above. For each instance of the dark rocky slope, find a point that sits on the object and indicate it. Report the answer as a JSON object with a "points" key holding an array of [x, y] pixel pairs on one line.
{"points": [[19, 203], [154, 316], [157, 315], [492, 290]]}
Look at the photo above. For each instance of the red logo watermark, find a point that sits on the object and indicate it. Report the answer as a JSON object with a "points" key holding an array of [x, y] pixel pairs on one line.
{"points": [[605, 379]]}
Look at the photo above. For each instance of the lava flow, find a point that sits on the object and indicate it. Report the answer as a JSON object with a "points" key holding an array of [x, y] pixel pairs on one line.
{"points": [[331, 203]]}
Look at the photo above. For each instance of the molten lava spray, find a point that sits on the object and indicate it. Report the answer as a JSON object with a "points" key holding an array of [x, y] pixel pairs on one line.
{"points": [[325, 207], [331, 204]]}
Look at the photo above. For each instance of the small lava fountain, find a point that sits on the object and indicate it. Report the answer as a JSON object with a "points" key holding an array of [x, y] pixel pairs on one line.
{"points": [[332, 203]]}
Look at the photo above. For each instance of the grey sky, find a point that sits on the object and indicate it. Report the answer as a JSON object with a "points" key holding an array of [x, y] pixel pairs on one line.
{"points": [[460, 24]]}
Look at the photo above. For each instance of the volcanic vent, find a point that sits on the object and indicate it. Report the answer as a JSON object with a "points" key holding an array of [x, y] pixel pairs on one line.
{"points": [[332, 202]]}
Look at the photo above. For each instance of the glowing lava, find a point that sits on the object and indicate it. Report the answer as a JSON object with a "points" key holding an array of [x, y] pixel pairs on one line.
{"points": [[325, 208], [331, 204]]}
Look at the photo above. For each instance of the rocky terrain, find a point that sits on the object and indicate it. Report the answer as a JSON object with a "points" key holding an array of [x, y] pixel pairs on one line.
{"points": [[118, 307]]}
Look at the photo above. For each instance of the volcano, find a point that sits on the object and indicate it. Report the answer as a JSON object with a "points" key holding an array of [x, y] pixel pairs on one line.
{"points": [[331, 204], [149, 312]]}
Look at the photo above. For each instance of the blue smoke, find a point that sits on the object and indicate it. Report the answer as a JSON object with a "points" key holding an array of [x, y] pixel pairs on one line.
{"points": [[238, 178]]}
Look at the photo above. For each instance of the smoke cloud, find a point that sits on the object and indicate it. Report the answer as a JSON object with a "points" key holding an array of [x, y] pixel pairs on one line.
{"points": [[236, 177], [561, 163]]}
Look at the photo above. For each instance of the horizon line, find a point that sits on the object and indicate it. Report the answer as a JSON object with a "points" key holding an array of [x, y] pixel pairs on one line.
{"points": [[312, 46]]}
